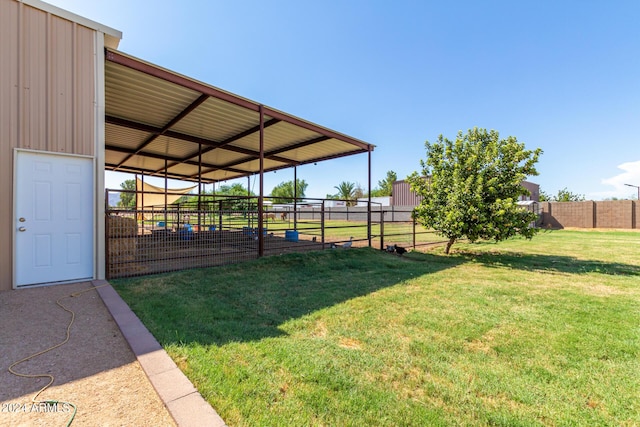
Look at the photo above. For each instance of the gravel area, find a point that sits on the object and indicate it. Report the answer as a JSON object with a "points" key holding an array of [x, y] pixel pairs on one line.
{"points": [[95, 370]]}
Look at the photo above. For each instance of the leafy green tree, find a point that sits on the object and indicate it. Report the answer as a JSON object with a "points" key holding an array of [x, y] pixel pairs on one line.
{"points": [[385, 186], [346, 191], [128, 200], [470, 187], [283, 192], [563, 195], [233, 197], [544, 196], [236, 189]]}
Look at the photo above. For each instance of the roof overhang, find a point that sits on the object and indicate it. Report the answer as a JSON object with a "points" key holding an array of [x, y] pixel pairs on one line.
{"points": [[162, 123]]}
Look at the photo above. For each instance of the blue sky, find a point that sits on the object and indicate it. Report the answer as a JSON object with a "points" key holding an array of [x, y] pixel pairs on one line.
{"points": [[560, 75]]}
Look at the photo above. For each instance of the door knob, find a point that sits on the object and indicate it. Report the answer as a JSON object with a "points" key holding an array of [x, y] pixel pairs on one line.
{"points": [[22, 220], [22, 229]]}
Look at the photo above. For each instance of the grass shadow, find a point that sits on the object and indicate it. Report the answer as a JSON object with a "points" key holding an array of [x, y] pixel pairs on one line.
{"points": [[248, 301], [550, 263]]}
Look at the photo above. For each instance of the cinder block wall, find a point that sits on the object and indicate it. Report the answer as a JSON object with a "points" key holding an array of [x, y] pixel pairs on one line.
{"points": [[602, 214], [614, 214], [568, 214]]}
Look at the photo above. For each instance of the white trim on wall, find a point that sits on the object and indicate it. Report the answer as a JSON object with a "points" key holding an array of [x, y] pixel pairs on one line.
{"points": [[99, 193]]}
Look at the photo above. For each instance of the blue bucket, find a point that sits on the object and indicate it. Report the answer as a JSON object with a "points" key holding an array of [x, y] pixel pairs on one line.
{"points": [[212, 228], [291, 235], [253, 231], [161, 224], [186, 234]]}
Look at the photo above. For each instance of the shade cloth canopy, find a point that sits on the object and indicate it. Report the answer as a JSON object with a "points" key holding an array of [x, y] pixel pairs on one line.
{"points": [[149, 195]]}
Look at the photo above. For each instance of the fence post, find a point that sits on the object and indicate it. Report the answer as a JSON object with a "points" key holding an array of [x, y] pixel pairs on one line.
{"points": [[295, 204], [414, 233], [107, 258], [369, 221], [178, 216], [166, 219], [322, 223], [381, 230]]}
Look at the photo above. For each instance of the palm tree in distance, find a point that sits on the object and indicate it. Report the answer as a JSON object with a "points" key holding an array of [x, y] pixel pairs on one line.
{"points": [[346, 191]]}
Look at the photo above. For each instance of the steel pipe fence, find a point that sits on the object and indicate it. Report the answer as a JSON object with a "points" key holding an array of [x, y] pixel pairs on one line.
{"points": [[205, 231]]}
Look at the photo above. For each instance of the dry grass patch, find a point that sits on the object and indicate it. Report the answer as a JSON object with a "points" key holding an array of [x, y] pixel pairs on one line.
{"points": [[350, 343]]}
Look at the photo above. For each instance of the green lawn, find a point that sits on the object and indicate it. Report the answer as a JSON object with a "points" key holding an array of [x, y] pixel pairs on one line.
{"points": [[522, 333]]}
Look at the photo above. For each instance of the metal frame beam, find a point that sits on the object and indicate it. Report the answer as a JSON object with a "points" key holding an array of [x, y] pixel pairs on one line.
{"points": [[195, 104]]}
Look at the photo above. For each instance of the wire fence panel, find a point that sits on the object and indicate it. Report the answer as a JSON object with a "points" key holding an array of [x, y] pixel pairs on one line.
{"points": [[204, 231]]}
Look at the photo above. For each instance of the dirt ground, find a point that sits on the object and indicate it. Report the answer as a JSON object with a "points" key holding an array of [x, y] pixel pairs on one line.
{"points": [[166, 251], [95, 370]]}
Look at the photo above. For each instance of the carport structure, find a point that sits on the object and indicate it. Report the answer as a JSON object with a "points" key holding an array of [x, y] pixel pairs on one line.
{"points": [[160, 123], [73, 106]]}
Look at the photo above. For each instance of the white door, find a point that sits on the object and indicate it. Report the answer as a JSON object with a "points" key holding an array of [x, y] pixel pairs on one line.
{"points": [[53, 218]]}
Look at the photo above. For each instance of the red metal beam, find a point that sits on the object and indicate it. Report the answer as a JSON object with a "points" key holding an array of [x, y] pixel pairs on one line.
{"points": [[316, 128], [177, 160], [195, 104], [210, 144], [296, 146], [271, 155]]}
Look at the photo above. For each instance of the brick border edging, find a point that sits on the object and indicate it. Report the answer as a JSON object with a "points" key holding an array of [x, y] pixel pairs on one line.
{"points": [[184, 403]]}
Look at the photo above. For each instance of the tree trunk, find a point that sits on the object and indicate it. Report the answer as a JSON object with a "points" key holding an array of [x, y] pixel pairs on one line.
{"points": [[449, 244]]}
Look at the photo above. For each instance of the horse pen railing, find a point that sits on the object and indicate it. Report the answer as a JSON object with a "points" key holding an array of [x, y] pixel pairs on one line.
{"points": [[205, 231]]}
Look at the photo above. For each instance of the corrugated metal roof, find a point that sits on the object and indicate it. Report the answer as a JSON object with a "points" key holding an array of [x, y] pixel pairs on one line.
{"points": [[156, 117]]}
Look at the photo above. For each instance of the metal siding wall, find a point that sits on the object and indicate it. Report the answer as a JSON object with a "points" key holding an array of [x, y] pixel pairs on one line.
{"points": [[403, 196], [85, 92], [534, 189], [57, 63], [33, 75], [8, 132], [47, 98], [61, 89]]}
